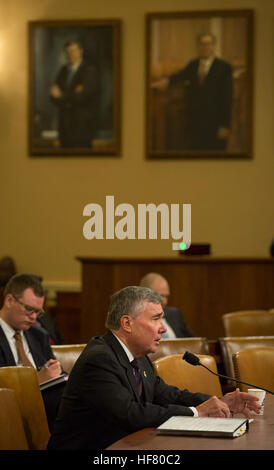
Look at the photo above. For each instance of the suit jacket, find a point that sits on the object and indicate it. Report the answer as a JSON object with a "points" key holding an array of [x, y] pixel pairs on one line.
{"points": [[175, 319], [209, 104], [78, 111], [38, 341], [39, 344], [47, 322], [101, 405]]}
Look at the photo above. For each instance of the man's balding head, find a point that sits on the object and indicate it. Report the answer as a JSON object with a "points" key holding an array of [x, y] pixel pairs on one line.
{"points": [[157, 283]]}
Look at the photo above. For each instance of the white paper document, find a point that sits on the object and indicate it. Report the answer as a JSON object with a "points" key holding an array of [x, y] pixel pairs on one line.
{"points": [[215, 427]]}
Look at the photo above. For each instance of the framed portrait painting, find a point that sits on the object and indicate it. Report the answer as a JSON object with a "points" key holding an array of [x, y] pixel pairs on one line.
{"points": [[199, 84], [74, 88]]}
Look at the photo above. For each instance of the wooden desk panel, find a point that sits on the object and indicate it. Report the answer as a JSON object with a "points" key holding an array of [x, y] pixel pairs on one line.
{"points": [[259, 437], [204, 288], [67, 314]]}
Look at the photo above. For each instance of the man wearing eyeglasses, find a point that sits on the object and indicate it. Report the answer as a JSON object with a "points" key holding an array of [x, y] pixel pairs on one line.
{"points": [[22, 342]]}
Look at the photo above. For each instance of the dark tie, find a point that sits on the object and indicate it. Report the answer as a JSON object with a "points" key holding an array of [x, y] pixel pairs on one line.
{"points": [[70, 76], [138, 375], [20, 349]]}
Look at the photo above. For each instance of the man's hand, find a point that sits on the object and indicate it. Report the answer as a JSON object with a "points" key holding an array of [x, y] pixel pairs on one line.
{"points": [[56, 91], [160, 84], [223, 133], [51, 369], [213, 408], [79, 88], [241, 402]]}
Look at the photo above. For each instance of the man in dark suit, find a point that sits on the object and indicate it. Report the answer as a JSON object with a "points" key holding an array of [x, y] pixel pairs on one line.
{"points": [[23, 302], [47, 322], [75, 94], [208, 83], [112, 389], [173, 319]]}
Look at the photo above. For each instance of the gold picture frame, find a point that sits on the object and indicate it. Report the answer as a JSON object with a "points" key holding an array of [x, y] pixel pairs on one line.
{"points": [[190, 114], [74, 88]]}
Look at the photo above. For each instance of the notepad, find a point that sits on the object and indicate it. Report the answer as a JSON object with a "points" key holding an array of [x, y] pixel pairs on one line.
{"points": [[52, 382], [208, 427]]}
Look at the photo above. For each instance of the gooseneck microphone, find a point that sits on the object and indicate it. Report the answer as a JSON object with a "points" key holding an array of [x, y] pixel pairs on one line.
{"points": [[195, 361]]}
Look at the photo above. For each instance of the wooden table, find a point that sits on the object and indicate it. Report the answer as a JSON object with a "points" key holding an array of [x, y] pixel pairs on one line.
{"points": [[259, 437]]}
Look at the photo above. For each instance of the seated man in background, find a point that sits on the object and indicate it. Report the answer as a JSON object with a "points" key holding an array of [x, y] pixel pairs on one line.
{"points": [[112, 389], [173, 319], [47, 322], [22, 342]]}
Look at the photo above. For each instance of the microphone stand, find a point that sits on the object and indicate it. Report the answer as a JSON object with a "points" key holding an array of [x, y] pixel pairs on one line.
{"points": [[235, 380], [195, 361]]}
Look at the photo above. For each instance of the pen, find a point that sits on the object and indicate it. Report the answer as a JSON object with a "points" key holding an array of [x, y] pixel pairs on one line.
{"points": [[45, 366]]}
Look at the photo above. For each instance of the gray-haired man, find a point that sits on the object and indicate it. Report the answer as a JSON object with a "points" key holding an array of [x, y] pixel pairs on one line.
{"points": [[104, 399]]}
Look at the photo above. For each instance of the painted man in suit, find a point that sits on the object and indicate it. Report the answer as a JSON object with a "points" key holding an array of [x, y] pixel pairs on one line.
{"points": [[208, 81], [108, 396], [175, 324], [75, 94], [23, 303]]}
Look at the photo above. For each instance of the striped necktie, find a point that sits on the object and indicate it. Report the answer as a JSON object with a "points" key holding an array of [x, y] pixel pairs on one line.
{"points": [[20, 349], [138, 375]]}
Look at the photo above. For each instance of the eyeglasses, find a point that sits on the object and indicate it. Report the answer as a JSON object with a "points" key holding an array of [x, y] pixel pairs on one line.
{"points": [[30, 310]]}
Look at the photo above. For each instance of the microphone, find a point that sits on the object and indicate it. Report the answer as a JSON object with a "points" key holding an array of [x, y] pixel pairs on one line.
{"points": [[195, 361]]}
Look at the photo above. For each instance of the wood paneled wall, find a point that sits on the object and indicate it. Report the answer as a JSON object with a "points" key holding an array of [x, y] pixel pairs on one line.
{"points": [[204, 288]]}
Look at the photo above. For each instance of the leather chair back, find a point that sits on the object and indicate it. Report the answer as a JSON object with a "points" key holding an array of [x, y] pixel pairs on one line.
{"points": [[175, 371], [24, 382], [12, 433], [231, 345], [67, 354], [249, 323], [179, 346], [255, 366]]}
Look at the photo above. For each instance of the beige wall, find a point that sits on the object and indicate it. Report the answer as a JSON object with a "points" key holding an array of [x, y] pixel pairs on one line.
{"points": [[42, 199]]}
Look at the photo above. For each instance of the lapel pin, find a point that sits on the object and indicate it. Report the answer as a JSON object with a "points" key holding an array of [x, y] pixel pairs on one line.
{"points": [[145, 374]]}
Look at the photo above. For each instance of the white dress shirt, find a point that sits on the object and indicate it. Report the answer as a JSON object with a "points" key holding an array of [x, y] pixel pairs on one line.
{"points": [[75, 66], [205, 64], [9, 333], [125, 348]]}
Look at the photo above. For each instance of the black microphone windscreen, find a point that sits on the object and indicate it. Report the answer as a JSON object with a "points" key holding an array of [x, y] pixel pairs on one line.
{"points": [[191, 358]]}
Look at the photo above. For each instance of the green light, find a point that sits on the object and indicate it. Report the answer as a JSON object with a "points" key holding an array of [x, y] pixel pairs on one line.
{"points": [[182, 246]]}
